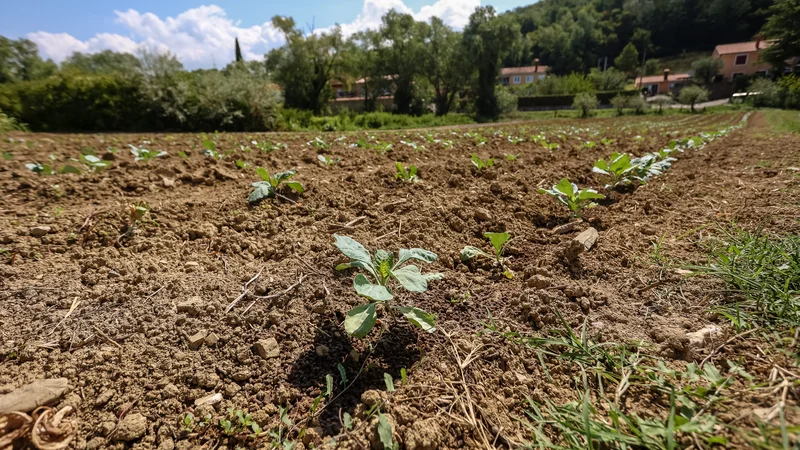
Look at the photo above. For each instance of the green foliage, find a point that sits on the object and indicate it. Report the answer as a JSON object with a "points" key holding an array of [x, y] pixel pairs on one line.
{"points": [[40, 169], [706, 69], [628, 60], [271, 185], [506, 101], [619, 102], [790, 89], [609, 81], [782, 26], [586, 103], [105, 62], [10, 124], [385, 270], [499, 241], [661, 101], [617, 167], [768, 93], [568, 194], [409, 174], [691, 95], [488, 39], [385, 433], [20, 61], [481, 164], [446, 65], [93, 163]]}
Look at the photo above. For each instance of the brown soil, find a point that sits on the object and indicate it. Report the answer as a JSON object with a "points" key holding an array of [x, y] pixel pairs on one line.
{"points": [[140, 297]]}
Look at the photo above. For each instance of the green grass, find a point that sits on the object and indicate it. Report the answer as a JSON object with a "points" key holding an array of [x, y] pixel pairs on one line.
{"points": [[763, 272], [783, 120]]}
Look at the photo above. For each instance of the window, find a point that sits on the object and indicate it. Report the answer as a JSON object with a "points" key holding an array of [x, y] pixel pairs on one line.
{"points": [[529, 78], [761, 73], [736, 75], [516, 79], [504, 81], [740, 60]]}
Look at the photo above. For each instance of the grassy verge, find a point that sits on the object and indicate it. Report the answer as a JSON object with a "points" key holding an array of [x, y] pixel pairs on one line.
{"points": [[626, 398], [783, 120]]}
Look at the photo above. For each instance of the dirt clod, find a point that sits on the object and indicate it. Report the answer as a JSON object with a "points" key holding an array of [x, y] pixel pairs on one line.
{"points": [[40, 231], [130, 428], [267, 348]]}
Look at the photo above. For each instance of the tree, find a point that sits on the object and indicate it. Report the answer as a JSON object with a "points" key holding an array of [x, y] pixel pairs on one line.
{"points": [[487, 39], [586, 103], [20, 61], [238, 51], [107, 61], [691, 95], [610, 80], [706, 69], [783, 26], [768, 93], [652, 67], [661, 101], [628, 60], [404, 52], [619, 102], [446, 65], [304, 65], [364, 60]]}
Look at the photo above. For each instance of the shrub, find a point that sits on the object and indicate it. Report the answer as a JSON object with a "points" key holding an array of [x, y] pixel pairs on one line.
{"points": [[661, 101], [610, 80], [506, 101], [790, 90], [619, 102], [637, 104], [690, 95], [586, 103], [768, 93], [10, 124]]}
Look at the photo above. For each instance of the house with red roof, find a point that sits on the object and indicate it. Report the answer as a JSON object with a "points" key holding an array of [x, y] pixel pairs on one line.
{"points": [[668, 83], [742, 58], [515, 76]]}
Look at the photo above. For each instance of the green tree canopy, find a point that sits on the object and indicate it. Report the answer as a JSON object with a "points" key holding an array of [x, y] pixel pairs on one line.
{"points": [[706, 69], [107, 61], [783, 25], [446, 64], [20, 61], [628, 60]]}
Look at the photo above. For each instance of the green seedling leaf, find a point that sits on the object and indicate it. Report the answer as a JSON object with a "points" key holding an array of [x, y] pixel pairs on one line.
{"points": [[385, 432], [355, 251], [296, 186], [360, 320], [208, 144], [328, 385], [69, 169], [403, 375], [372, 291], [262, 190], [565, 187], [389, 382], [8, 156], [347, 421], [342, 374], [419, 318], [415, 253], [242, 164], [498, 240], [263, 174], [470, 252], [411, 278]]}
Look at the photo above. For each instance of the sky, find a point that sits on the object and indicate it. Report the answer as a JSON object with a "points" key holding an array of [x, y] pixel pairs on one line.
{"points": [[200, 34]]}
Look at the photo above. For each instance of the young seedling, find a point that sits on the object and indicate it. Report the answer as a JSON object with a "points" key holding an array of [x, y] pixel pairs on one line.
{"points": [[515, 140], [328, 160], [589, 144], [143, 154], [481, 163], [136, 213], [242, 164], [92, 162], [40, 169], [271, 184], [499, 241], [318, 143], [618, 167], [511, 158], [385, 270], [268, 146], [550, 145], [575, 199], [409, 175]]}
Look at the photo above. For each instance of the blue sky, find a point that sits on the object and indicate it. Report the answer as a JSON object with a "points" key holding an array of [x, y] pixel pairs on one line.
{"points": [[200, 33]]}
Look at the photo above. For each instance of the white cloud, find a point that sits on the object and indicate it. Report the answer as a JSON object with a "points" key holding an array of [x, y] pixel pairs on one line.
{"points": [[203, 36]]}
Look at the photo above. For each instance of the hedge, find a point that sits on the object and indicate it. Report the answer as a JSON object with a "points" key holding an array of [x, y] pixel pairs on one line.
{"points": [[543, 101]]}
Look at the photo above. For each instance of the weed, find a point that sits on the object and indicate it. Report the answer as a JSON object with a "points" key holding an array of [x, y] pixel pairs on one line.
{"points": [[567, 193], [271, 184], [384, 268], [409, 175], [764, 270], [481, 163], [499, 241]]}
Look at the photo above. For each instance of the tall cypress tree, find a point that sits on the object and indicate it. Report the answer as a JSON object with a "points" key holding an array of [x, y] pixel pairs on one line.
{"points": [[238, 52]]}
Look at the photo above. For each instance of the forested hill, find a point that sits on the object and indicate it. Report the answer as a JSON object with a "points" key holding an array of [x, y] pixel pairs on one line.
{"points": [[570, 35]]}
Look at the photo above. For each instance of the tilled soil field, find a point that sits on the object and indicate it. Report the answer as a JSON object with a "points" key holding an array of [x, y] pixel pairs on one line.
{"points": [[209, 307]]}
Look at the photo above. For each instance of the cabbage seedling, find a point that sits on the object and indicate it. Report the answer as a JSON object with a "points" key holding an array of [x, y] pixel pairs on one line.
{"points": [[409, 175], [384, 271], [618, 167], [481, 163], [327, 160], [567, 193], [499, 241], [40, 169], [143, 154], [271, 184], [94, 163], [318, 143]]}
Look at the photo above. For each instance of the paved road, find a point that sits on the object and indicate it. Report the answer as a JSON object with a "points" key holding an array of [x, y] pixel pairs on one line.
{"points": [[703, 105]]}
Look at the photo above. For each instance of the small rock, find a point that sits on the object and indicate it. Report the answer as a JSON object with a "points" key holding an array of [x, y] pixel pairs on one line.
{"points": [[166, 444], [567, 227], [242, 375], [318, 308], [105, 428], [370, 397], [40, 231], [95, 443], [104, 398], [212, 339], [191, 266], [482, 214], [6, 239], [206, 380], [205, 229], [267, 348], [538, 282], [588, 238], [703, 336], [33, 395], [212, 399], [192, 306], [197, 339], [322, 350], [171, 391], [130, 428]]}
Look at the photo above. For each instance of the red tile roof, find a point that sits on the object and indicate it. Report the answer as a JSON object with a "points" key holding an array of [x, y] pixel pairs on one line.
{"points": [[523, 70], [740, 47], [673, 77]]}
